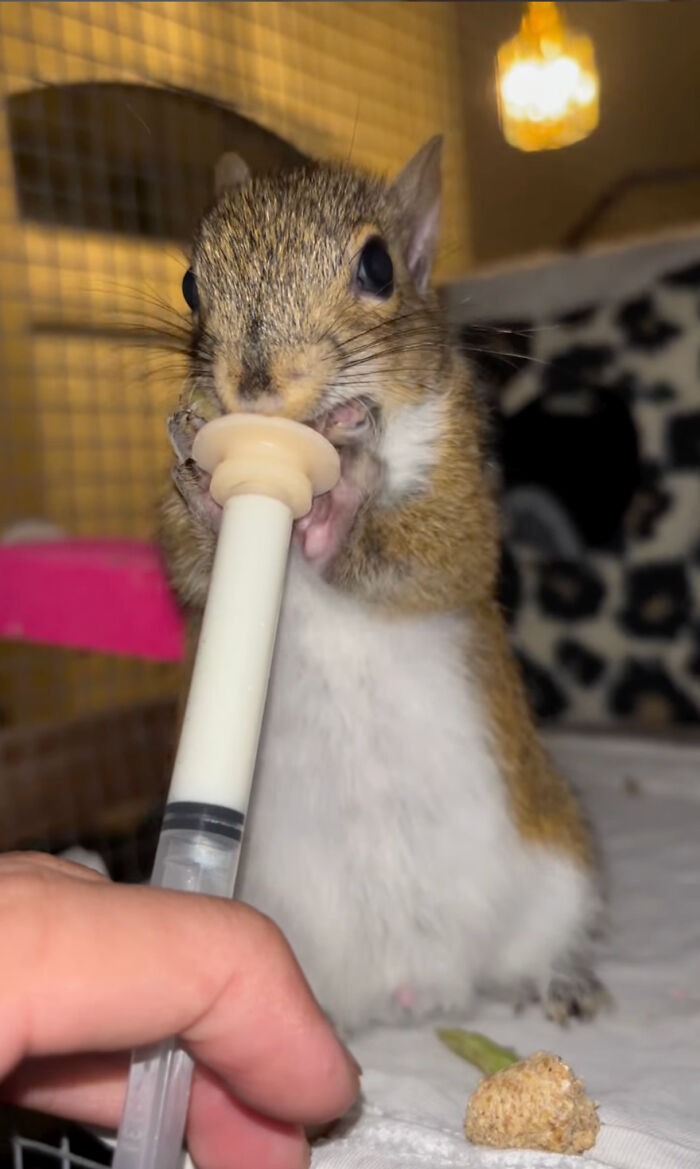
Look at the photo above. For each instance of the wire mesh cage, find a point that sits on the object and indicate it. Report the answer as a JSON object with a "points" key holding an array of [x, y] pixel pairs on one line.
{"points": [[113, 117], [27, 1153], [40, 1143]]}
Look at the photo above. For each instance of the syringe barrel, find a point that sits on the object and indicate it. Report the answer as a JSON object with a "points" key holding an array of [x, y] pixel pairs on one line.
{"points": [[271, 468], [200, 840], [198, 859], [192, 860], [219, 737]]}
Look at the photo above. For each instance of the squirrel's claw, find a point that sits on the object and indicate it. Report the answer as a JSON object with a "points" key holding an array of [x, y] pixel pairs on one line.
{"points": [[192, 483], [182, 427]]}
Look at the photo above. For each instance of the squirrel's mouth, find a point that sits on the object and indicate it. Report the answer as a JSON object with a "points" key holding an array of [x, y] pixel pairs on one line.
{"points": [[321, 533], [350, 427]]}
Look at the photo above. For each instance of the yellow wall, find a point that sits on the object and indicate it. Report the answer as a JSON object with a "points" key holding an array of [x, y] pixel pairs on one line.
{"points": [[83, 418], [367, 81]]}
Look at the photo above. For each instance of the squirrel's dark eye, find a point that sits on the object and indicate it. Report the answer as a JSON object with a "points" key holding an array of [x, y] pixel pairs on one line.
{"points": [[375, 271], [189, 289]]}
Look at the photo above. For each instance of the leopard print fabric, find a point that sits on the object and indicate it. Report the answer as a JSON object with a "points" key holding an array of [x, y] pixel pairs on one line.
{"points": [[596, 436]]}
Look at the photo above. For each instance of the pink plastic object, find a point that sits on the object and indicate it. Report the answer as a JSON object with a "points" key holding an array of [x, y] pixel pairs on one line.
{"points": [[109, 596]]}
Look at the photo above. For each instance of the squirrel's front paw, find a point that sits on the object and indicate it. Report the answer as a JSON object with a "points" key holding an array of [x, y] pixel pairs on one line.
{"points": [[182, 428], [191, 482]]}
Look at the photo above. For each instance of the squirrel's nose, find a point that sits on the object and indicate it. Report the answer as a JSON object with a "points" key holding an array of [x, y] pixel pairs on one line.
{"points": [[254, 384]]}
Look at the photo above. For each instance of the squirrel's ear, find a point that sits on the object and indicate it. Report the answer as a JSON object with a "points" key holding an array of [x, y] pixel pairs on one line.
{"points": [[417, 190], [230, 172]]}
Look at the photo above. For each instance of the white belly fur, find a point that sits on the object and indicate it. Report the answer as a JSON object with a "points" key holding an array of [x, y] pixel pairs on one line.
{"points": [[379, 837]]}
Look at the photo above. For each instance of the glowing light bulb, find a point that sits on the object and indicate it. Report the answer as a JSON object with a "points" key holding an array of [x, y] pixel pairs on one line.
{"points": [[547, 83]]}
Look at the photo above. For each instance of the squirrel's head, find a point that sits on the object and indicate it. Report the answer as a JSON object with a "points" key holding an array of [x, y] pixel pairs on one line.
{"points": [[310, 293]]}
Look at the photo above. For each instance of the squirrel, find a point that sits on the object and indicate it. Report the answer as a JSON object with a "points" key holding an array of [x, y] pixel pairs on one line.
{"points": [[407, 831]]}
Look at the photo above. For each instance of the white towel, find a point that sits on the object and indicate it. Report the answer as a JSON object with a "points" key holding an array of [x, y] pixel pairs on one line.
{"points": [[641, 1062]]}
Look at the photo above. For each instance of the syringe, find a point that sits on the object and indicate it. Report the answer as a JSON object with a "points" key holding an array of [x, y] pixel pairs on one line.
{"points": [[265, 472]]}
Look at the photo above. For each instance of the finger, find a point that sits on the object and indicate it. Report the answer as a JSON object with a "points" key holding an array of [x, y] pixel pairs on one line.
{"points": [[20, 863], [221, 1132], [224, 1134], [87, 1088], [101, 967]]}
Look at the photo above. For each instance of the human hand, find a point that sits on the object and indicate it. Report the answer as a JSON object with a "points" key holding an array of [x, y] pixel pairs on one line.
{"points": [[94, 969]]}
